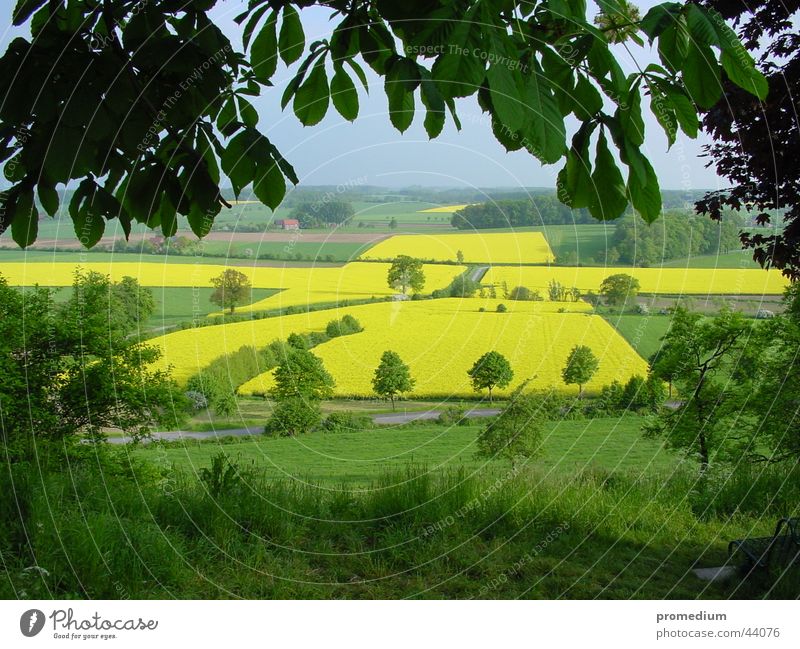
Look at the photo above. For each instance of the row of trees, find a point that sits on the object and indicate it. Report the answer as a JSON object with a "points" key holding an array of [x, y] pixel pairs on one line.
{"points": [[541, 209], [322, 212]]}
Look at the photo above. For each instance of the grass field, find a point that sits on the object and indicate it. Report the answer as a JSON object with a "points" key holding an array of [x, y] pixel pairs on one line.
{"points": [[359, 457], [643, 333], [441, 339], [476, 247], [672, 281]]}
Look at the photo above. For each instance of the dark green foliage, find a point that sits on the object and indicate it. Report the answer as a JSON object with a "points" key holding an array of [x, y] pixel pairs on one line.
{"points": [[297, 341], [502, 308], [542, 209], [516, 433], [522, 293], [322, 212], [490, 371], [453, 416], [66, 371], [224, 476], [698, 351], [219, 380], [463, 286], [159, 153], [406, 272], [345, 326], [677, 235], [392, 377], [231, 288], [293, 416], [346, 422], [580, 367], [619, 289], [302, 375]]}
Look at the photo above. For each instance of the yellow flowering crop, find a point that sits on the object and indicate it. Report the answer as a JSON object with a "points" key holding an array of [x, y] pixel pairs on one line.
{"points": [[441, 339], [477, 247], [444, 209], [675, 281], [303, 285]]}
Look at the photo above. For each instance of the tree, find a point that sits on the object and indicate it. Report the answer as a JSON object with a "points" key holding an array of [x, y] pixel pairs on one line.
{"points": [[516, 433], [392, 377], [459, 256], [754, 142], [619, 288], [492, 370], [301, 374], [322, 212], [66, 372], [144, 140], [231, 288], [580, 367], [463, 286], [393, 224], [705, 347], [293, 416], [406, 272]]}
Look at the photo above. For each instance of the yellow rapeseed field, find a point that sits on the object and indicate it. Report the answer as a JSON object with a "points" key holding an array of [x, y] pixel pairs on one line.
{"points": [[303, 285], [477, 247], [444, 209], [677, 281], [441, 339]]}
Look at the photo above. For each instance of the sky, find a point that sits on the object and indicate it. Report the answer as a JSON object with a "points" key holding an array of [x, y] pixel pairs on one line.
{"points": [[371, 152]]}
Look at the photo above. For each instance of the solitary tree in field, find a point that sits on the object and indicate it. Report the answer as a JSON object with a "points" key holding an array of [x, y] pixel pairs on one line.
{"points": [[406, 272], [580, 367], [392, 377], [231, 288], [393, 224], [619, 288], [492, 370], [460, 256]]}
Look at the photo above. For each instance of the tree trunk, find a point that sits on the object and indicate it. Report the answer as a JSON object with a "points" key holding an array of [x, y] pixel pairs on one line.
{"points": [[490, 395], [391, 397], [703, 453], [233, 306], [580, 390]]}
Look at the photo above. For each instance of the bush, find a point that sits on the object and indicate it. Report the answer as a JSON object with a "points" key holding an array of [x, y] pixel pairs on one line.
{"points": [[502, 308], [642, 309], [297, 341], [346, 422], [343, 327], [764, 314], [463, 286], [293, 416], [197, 400], [453, 416], [524, 294], [223, 476]]}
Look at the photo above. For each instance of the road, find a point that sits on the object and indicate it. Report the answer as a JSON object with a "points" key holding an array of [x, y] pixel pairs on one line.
{"points": [[404, 418], [477, 273]]}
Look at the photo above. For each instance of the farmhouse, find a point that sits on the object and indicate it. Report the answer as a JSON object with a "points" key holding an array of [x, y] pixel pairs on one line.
{"points": [[288, 224]]}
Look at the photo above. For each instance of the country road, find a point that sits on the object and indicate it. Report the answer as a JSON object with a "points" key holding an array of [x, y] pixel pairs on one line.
{"points": [[425, 415]]}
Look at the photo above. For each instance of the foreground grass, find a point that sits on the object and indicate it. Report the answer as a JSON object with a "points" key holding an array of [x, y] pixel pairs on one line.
{"points": [[108, 528], [358, 457]]}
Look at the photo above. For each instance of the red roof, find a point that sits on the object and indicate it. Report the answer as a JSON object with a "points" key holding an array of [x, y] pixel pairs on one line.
{"points": [[288, 222]]}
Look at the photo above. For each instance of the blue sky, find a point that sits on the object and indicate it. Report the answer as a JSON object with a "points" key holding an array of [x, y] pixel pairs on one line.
{"points": [[371, 151]]}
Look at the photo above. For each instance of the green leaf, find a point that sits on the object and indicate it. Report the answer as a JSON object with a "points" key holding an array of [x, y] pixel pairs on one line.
{"points": [[24, 9], [545, 132], [227, 114], [659, 18], [645, 195], [744, 74], [359, 73], [506, 96], [574, 179], [435, 106], [701, 29], [292, 40], [25, 226], [401, 105], [252, 23], [587, 99], [458, 75], [237, 163], [673, 45], [685, 111], [630, 117], [168, 216], [343, 94], [701, 75], [200, 221], [248, 113], [312, 97], [264, 53], [609, 199], [664, 113], [88, 221], [48, 197], [269, 185]]}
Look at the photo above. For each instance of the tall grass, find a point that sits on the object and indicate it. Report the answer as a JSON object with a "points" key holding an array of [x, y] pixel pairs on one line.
{"points": [[94, 523]]}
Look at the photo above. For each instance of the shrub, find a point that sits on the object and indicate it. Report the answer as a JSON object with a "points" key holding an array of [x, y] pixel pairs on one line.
{"points": [[502, 308], [292, 416], [453, 416], [642, 309], [297, 341], [345, 422], [524, 294], [764, 314], [223, 476], [197, 400]]}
